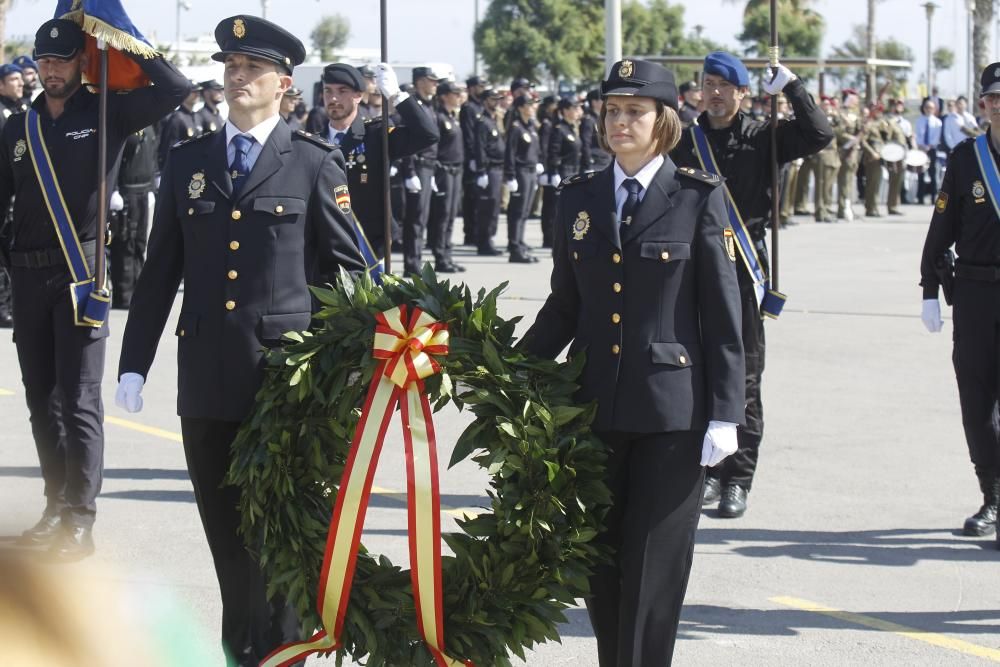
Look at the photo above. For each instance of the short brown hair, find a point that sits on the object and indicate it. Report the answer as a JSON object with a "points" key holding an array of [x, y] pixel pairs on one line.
{"points": [[666, 129]]}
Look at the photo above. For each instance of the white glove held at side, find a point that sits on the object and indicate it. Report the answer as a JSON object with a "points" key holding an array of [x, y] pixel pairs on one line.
{"points": [[482, 181], [931, 315], [434, 185], [720, 442], [539, 168], [413, 184], [555, 180], [117, 203], [393, 170], [776, 82], [128, 397], [511, 185], [543, 180]]}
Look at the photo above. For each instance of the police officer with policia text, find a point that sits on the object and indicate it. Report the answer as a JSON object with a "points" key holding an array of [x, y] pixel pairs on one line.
{"points": [[740, 149], [967, 215], [60, 353], [249, 217], [361, 140]]}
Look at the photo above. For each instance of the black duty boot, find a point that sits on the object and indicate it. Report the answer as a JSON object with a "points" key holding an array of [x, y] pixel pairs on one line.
{"points": [[712, 491], [734, 501], [43, 533], [984, 522]]}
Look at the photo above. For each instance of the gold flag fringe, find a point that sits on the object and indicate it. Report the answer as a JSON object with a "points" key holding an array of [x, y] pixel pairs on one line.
{"points": [[113, 37]]}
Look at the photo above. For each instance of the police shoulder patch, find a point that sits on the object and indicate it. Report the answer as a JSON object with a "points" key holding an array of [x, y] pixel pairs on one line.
{"points": [[575, 179], [312, 138], [699, 175]]}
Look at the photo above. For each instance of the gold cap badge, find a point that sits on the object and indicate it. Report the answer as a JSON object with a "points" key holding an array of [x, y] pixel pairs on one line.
{"points": [[239, 28], [54, 33], [625, 69]]}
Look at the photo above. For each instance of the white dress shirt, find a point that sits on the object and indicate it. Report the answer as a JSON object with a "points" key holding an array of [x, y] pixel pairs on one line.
{"points": [[928, 131], [260, 132], [953, 124], [644, 176]]}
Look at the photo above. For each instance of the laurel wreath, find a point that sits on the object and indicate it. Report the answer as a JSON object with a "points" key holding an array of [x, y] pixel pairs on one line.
{"points": [[516, 566]]}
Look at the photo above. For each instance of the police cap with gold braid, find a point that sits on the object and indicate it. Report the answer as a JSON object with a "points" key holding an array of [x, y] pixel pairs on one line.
{"points": [[258, 38]]}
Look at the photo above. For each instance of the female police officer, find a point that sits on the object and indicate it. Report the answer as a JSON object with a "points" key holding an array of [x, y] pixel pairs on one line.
{"points": [[644, 283]]}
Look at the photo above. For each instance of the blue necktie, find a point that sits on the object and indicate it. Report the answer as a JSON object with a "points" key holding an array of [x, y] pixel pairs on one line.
{"points": [[633, 188], [240, 167], [338, 138]]}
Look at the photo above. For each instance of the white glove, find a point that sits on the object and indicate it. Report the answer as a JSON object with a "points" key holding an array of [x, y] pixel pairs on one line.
{"points": [[555, 180], [156, 182], [774, 84], [128, 397], [539, 168], [393, 171], [388, 84], [117, 203], [931, 315], [482, 181], [412, 184], [472, 165], [720, 442], [434, 185], [511, 185], [543, 180]]}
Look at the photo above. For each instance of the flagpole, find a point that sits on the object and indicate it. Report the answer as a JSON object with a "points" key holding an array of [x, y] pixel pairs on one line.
{"points": [[100, 270], [386, 200], [775, 190]]}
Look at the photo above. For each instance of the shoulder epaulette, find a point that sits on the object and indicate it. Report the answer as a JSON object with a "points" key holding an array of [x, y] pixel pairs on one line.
{"points": [[192, 140], [699, 175], [313, 138], [575, 179]]}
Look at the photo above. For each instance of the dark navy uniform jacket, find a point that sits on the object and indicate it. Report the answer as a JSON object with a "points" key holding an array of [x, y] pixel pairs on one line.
{"points": [[246, 262], [564, 151], [522, 148], [655, 305], [181, 125]]}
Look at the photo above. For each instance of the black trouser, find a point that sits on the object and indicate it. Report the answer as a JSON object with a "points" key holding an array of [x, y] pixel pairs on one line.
{"points": [[548, 215], [61, 368], [469, 198], [635, 603], [6, 292], [418, 209], [397, 200], [519, 208], [741, 466], [128, 246], [444, 208], [252, 626], [488, 208], [976, 355], [927, 182]]}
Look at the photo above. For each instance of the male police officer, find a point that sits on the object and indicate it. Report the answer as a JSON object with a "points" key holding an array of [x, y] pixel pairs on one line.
{"points": [[488, 157], [521, 168], [447, 176], [966, 215], [418, 174], [129, 222], [361, 141], [209, 117], [184, 123], [249, 217], [62, 362], [468, 118], [741, 148]]}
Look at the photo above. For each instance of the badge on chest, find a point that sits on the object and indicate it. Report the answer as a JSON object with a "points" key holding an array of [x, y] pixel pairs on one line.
{"points": [[581, 225]]}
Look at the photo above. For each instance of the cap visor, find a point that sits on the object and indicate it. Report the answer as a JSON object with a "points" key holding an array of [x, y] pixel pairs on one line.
{"points": [[53, 54], [992, 88]]}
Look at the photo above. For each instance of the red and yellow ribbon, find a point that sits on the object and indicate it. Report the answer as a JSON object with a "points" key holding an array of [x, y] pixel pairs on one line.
{"points": [[406, 347]]}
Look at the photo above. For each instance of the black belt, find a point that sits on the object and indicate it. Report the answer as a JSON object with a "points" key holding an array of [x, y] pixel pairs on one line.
{"points": [[989, 274], [425, 162], [451, 168], [46, 257]]}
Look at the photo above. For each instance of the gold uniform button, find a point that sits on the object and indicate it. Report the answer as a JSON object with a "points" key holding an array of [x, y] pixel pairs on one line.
{"points": [[230, 305], [576, 255], [682, 359], [615, 349], [237, 215], [232, 275], [616, 318], [279, 209], [617, 287], [234, 245], [616, 258], [190, 211], [664, 255], [180, 333]]}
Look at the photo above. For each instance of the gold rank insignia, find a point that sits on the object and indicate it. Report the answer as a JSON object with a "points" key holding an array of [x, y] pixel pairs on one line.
{"points": [[979, 192], [625, 69], [526, 137], [19, 148], [581, 226], [190, 132], [212, 127], [343, 198], [730, 239], [239, 29], [197, 185], [942, 202], [447, 125]]}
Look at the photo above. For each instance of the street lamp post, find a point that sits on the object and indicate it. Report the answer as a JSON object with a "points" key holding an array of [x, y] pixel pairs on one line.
{"points": [[969, 72], [930, 7], [264, 4], [612, 33], [185, 5]]}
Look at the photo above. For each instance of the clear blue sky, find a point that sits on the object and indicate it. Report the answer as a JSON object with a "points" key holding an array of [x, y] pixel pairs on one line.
{"points": [[440, 30]]}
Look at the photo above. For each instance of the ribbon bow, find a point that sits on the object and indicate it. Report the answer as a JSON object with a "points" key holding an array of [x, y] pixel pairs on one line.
{"points": [[406, 349]]}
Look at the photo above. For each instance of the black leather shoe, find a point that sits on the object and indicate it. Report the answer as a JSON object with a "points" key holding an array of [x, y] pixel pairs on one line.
{"points": [[521, 259], [6, 321], [448, 267], [74, 543], [489, 252], [712, 491], [983, 522], [734, 502], [42, 533]]}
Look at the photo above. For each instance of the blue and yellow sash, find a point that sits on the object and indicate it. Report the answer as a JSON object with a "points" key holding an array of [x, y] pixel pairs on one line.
{"points": [[769, 301], [988, 168], [90, 307]]}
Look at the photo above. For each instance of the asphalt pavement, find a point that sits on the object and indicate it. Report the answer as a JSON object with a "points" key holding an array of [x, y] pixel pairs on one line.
{"points": [[850, 553]]}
